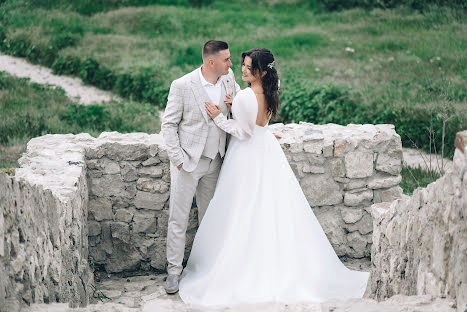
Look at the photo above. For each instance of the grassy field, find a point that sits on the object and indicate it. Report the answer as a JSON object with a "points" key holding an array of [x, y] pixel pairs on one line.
{"points": [[396, 66], [29, 110]]}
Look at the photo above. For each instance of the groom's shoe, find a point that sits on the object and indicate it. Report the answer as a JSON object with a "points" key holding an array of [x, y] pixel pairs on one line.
{"points": [[171, 284]]}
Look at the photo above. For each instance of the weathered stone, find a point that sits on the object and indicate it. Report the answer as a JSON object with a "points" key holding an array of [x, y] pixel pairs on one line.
{"points": [[152, 185], [128, 171], [151, 161], [312, 169], [100, 208], [313, 147], [355, 199], [331, 222], [150, 201], [379, 181], [153, 149], [117, 151], [358, 164], [108, 185], [94, 228], [320, 190], [158, 254], [337, 168], [121, 231], [125, 257], [144, 223], [350, 215], [152, 171], [391, 164], [387, 195], [328, 147], [358, 243], [364, 225], [355, 184], [123, 215], [339, 147]]}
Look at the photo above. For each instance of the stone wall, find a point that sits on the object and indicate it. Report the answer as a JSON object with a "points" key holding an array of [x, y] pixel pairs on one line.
{"points": [[420, 242], [342, 170], [43, 227]]}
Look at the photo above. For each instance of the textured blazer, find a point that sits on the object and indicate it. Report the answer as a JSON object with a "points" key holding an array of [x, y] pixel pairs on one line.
{"points": [[185, 122]]}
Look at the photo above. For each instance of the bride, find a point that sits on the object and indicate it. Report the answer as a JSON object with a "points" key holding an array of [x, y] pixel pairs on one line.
{"points": [[259, 240]]}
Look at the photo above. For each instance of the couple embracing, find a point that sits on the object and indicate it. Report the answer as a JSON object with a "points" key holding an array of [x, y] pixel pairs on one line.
{"points": [[258, 239]]}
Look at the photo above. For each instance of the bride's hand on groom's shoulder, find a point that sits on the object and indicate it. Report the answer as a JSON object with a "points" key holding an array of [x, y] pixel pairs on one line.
{"points": [[212, 110], [277, 136]]}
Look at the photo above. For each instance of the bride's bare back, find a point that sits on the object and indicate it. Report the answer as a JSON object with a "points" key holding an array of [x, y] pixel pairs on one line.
{"points": [[262, 119]]}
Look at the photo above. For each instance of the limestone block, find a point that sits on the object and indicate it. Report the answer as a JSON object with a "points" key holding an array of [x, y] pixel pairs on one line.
{"points": [[313, 147], [328, 147], [148, 200], [312, 169], [153, 149], [390, 163], [321, 190], [125, 257], [354, 184], [108, 185], [358, 243], [152, 171], [364, 225], [121, 231], [123, 215], [162, 223], [358, 164], [118, 151], [158, 254], [351, 215], [387, 195], [337, 168], [379, 181], [152, 185], [163, 156], [144, 223], [151, 161], [94, 228], [100, 208], [315, 159], [106, 238], [128, 171], [339, 147], [355, 199], [106, 165]]}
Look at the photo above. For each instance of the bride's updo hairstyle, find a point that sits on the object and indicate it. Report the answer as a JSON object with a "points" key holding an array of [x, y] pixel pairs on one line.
{"points": [[262, 60]]}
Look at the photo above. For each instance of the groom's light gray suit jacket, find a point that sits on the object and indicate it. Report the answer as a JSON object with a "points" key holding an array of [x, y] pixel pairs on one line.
{"points": [[185, 123]]}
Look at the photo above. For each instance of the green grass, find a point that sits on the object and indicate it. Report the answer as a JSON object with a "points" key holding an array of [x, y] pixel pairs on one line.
{"points": [[403, 59], [413, 178], [29, 110]]}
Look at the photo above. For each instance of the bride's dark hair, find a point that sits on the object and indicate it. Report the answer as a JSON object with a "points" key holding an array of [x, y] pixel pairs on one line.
{"points": [[263, 60]]}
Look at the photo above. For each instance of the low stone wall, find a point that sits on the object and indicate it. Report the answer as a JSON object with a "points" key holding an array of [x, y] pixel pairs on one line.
{"points": [[126, 180], [43, 228], [420, 242]]}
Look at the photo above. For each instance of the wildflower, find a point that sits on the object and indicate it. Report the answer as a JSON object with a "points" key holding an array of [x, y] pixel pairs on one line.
{"points": [[349, 49]]}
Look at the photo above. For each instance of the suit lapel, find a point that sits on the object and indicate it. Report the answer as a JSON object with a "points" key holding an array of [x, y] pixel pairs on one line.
{"points": [[200, 94]]}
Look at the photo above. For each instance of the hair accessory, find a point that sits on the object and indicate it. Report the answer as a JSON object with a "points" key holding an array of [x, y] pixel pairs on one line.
{"points": [[271, 65]]}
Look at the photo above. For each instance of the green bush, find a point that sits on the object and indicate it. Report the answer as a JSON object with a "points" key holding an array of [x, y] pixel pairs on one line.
{"points": [[316, 103], [328, 103]]}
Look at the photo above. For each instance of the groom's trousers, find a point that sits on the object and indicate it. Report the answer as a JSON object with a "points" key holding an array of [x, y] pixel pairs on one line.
{"points": [[183, 187]]}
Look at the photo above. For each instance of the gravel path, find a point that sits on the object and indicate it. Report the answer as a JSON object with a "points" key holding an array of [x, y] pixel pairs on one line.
{"points": [[417, 158], [74, 87]]}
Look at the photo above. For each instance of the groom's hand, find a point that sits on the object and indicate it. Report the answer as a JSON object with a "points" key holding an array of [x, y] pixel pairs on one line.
{"points": [[277, 136], [179, 167]]}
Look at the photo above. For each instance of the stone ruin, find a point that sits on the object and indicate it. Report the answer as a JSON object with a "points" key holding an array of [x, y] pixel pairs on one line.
{"points": [[79, 203]]}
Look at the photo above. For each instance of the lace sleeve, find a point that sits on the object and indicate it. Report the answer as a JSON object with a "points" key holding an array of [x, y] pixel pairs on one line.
{"points": [[244, 111]]}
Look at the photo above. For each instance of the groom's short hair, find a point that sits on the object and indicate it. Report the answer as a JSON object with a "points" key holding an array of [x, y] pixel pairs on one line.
{"points": [[213, 47]]}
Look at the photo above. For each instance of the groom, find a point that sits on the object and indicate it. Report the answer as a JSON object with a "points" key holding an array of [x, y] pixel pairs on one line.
{"points": [[195, 145]]}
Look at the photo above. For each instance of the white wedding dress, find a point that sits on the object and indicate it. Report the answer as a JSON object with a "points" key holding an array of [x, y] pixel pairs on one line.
{"points": [[259, 240]]}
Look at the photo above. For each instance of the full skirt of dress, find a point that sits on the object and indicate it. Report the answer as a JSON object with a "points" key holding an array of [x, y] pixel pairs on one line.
{"points": [[259, 240]]}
